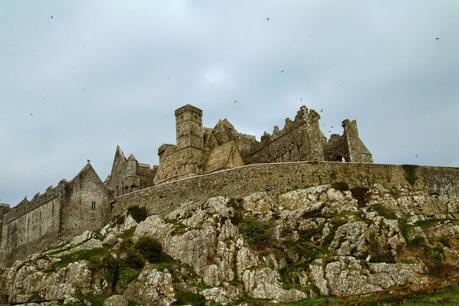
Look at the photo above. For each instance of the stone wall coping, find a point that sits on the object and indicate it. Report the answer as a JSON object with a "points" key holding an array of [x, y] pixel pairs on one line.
{"points": [[258, 165]]}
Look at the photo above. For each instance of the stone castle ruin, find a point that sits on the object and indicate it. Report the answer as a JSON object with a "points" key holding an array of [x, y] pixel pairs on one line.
{"points": [[87, 203], [200, 150]]}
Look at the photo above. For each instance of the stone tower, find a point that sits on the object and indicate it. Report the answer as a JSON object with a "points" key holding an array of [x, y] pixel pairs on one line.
{"points": [[189, 127]]}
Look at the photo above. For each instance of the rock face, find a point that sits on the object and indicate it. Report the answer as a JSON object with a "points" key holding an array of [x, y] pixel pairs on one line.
{"points": [[152, 286], [323, 240]]}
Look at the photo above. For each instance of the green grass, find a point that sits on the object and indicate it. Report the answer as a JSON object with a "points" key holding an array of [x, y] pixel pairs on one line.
{"points": [[95, 257], [306, 302], [179, 227], [433, 222], [255, 232], [447, 297], [125, 276], [130, 260], [384, 211], [126, 235], [189, 298], [444, 297]]}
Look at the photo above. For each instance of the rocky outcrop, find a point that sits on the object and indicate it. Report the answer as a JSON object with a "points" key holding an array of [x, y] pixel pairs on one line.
{"points": [[152, 286], [323, 240]]}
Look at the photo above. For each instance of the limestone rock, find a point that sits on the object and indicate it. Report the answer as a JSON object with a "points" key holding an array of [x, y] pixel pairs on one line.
{"points": [[222, 295], [347, 276], [152, 287], [264, 284], [116, 300], [259, 203], [302, 199], [350, 238]]}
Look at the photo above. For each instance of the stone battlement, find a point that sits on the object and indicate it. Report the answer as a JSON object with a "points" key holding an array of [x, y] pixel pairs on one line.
{"points": [[38, 200]]}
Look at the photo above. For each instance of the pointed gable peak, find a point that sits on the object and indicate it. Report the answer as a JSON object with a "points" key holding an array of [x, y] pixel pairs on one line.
{"points": [[225, 124], [86, 169], [119, 153]]}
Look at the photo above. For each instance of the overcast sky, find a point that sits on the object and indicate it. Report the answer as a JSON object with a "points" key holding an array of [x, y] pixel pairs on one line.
{"points": [[79, 77]]}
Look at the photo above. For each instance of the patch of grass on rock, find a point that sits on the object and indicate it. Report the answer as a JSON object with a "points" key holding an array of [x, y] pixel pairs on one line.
{"points": [[384, 211], [94, 257], [189, 298], [255, 232]]}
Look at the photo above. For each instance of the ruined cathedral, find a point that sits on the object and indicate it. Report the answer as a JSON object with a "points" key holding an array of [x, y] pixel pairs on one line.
{"points": [[201, 150], [86, 203]]}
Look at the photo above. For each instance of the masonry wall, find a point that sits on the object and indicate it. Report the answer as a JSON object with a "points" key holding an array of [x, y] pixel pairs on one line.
{"points": [[86, 205], [299, 140], [31, 231], [356, 149], [180, 163], [60, 213], [282, 177]]}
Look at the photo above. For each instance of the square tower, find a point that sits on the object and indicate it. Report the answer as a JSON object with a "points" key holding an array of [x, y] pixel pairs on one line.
{"points": [[189, 131]]}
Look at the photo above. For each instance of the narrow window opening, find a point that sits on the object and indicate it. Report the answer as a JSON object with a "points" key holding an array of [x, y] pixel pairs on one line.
{"points": [[93, 205]]}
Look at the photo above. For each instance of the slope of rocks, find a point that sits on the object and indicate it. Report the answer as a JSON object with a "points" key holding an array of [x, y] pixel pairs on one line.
{"points": [[324, 240]]}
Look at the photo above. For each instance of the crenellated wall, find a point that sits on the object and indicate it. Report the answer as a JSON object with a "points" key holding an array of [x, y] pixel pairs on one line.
{"points": [[60, 213], [300, 139]]}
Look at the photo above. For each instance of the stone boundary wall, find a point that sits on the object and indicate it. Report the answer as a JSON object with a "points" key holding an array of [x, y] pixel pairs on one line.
{"points": [[277, 178], [25, 207]]}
